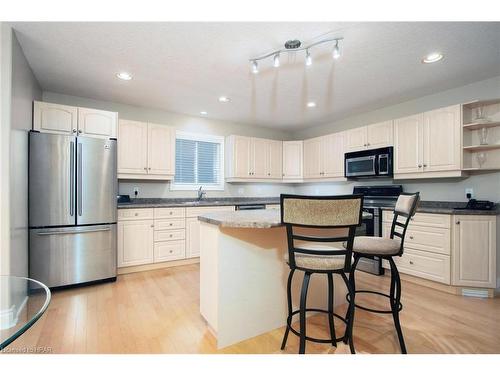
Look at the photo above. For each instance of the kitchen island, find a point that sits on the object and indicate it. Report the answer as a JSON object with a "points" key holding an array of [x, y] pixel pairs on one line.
{"points": [[243, 275]]}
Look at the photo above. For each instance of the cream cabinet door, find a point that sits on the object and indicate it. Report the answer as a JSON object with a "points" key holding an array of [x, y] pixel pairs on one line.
{"points": [[135, 242], [241, 156], [192, 237], [292, 160], [408, 144], [132, 147], [474, 251], [55, 118], [356, 139], [161, 150], [442, 139], [96, 123], [313, 158], [275, 159], [259, 156], [332, 149], [379, 135]]}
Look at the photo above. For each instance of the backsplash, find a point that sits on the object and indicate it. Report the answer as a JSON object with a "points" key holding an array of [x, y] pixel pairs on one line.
{"points": [[485, 186]]}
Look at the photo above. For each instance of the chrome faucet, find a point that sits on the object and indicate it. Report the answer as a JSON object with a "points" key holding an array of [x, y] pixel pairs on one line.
{"points": [[201, 193]]}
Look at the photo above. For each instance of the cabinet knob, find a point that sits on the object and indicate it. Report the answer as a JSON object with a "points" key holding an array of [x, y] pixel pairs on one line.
{"points": [[136, 214], [269, 174], [425, 165], [149, 168], [170, 251], [74, 130], [79, 131], [457, 222], [411, 237], [152, 225], [145, 168], [170, 236], [170, 224], [420, 165], [411, 261], [368, 144]]}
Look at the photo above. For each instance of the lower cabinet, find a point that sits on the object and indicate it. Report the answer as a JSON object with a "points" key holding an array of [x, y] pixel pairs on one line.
{"points": [[147, 235], [135, 242], [474, 251], [458, 250]]}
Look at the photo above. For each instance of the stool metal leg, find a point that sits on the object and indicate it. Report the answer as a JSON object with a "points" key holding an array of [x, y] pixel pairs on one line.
{"points": [[395, 301], [350, 321], [303, 300], [289, 299], [330, 309], [352, 281]]}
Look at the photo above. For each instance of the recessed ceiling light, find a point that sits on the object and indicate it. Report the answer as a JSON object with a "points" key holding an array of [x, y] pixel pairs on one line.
{"points": [[311, 104], [124, 75], [432, 58], [203, 113], [224, 99]]}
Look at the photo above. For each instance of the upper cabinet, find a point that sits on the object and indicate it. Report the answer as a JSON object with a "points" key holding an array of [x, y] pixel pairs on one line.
{"points": [[293, 160], [428, 144], [95, 123], [253, 158], [145, 151], [324, 157], [63, 119], [369, 137]]}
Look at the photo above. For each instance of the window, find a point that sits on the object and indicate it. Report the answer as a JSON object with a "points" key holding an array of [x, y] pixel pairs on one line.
{"points": [[199, 161]]}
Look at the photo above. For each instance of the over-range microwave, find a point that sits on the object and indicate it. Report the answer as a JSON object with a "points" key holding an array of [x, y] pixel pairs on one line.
{"points": [[369, 163]]}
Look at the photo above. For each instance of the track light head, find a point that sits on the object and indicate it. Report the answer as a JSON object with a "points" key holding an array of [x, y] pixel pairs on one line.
{"points": [[255, 67], [309, 60], [336, 51], [276, 60]]}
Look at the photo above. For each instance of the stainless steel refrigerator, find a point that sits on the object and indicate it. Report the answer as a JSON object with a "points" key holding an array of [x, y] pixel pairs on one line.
{"points": [[72, 209]]}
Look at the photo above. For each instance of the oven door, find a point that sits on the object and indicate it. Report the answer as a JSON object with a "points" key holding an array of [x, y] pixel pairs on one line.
{"points": [[361, 166]]}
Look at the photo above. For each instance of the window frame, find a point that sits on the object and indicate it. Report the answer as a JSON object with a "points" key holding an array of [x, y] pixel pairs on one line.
{"points": [[202, 138]]}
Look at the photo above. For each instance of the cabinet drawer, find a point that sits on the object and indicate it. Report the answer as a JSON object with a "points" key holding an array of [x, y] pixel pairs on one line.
{"points": [[135, 214], [169, 250], [165, 224], [197, 211], [434, 240], [423, 219], [170, 212], [430, 266], [169, 235]]}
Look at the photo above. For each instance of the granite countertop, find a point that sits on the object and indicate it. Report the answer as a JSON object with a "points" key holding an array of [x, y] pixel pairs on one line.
{"points": [[186, 202], [451, 208], [248, 218]]}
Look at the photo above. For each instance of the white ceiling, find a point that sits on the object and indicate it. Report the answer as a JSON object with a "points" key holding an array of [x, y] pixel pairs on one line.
{"points": [[185, 67]]}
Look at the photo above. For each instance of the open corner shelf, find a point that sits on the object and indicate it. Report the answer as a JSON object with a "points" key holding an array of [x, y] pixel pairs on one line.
{"points": [[479, 125], [481, 103], [482, 147]]}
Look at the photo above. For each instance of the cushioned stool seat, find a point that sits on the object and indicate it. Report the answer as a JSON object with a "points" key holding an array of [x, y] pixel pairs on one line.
{"points": [[318, 262], [376, 245]]}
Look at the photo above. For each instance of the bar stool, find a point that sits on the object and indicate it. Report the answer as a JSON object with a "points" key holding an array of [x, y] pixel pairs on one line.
{"points": [[318, 253], [386, 248]]}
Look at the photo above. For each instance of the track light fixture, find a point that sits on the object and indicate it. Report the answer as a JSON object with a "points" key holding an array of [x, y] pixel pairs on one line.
{"points": [[295, 46]]}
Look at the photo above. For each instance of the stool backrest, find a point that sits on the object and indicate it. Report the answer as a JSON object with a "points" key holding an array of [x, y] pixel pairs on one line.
{"points": [[405, 208], [321, 213]]}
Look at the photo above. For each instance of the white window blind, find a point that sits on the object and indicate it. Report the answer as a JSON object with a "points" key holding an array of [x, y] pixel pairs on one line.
{"points": [[198, 162]]}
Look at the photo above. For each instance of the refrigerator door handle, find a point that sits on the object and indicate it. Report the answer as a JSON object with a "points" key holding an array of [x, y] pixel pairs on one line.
{"points": [[79, 180], [72, 179], [49, 233]]}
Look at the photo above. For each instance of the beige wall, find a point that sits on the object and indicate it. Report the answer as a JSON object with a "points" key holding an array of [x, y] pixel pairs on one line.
{"points": [[5, 88], [25, 89]]}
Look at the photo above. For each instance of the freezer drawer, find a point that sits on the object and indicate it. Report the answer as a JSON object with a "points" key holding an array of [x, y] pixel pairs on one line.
{"points": [[73, 255]]}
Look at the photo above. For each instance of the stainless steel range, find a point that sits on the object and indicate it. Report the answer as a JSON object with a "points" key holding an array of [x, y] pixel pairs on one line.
{"points": [[375, 198]]}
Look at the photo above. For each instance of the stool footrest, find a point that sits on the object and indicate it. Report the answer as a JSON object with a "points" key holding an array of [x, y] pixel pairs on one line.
{"points": [[323, 341], [400, 306]]}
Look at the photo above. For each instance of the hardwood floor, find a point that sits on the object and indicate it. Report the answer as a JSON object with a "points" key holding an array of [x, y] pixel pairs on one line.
{"points": [[157, 312]]}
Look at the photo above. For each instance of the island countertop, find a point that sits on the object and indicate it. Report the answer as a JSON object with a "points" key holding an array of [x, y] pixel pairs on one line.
{"points": [[248, 218]]}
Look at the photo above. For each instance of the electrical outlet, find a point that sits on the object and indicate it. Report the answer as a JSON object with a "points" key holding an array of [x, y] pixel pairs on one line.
{"points": [[136, 192], [469, 193]]}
